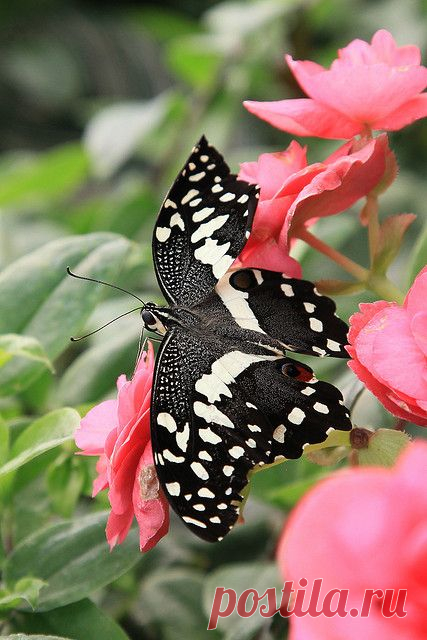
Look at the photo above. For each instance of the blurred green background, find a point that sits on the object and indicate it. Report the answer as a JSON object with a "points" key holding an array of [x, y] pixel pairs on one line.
{"points": [[100, 103]]}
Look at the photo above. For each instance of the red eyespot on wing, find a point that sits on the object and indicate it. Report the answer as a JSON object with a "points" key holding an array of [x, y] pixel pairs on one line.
{"points": [[298, 371]]}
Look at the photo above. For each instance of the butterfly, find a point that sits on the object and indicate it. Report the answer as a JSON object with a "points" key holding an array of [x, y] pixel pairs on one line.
{"points": [[226, 396]]}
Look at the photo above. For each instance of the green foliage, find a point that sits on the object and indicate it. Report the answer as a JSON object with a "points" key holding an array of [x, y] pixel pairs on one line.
{"points": [[109, 106]]}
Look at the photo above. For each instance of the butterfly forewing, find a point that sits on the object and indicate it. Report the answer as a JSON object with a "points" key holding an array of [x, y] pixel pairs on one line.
{"points": [[220, 410], [202, 226]]}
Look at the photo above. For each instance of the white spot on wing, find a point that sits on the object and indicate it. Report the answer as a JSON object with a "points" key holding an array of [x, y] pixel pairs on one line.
{"points": [[200, 215], [168, 455], [237, 304], [224, 371], [227, 470], [182, 437], [236, 452], [207, 229], [333, 345], [166, 420], [287, 290], [320, 408], [309, 307], [211, 414], [173, 488], [197, 176], [318, 350], [217, 188], [316, 325], [244, 198], [207, 435], [279, 433], [296, 416], [177, 221], [199, 470], [227, 197], [189, 196], [193, 521], [163, 233], [170, 203], [204, 492], [308, 391]]}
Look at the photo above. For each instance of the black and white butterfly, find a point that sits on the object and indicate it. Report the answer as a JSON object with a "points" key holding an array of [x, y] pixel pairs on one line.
{"points": [[226, 397]]}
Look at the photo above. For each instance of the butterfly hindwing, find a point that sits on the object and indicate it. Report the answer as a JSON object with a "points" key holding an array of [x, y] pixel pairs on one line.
{"points": [[202, 226], [218, 411], [287, 309]]}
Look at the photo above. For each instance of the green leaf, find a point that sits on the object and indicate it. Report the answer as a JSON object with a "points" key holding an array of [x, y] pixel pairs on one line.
{"points": [[39, 299], [73, 558], [26, 589], [13, 345], [257, 575], [419, 257], [44, 434], [81, 620], [390, 237], [196, 59], [23, 636], [94, 372], [182, 590], [114, 134], [44, 177], [65, 480], [241, 19], [384, 446]]}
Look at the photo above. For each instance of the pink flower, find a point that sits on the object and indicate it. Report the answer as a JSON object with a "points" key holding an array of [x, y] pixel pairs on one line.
{"points": [[373, 86], [364, 528], [294, 195], [118, 431], [389, 351]]}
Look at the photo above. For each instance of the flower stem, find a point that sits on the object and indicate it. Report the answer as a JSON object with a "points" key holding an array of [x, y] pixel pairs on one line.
{"points": [[373, 225], [384, 288], [356, 270], [379, 284]]}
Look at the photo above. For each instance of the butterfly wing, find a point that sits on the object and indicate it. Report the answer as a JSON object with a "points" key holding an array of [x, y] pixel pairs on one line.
{"points": [[202, 226], [289, 310], [217, 412]]}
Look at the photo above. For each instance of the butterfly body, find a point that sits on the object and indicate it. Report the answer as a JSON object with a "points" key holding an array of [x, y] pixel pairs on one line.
{"points": [[226, 396]]}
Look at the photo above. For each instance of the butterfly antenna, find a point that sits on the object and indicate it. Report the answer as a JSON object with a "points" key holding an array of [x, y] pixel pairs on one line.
{"points": [[107, 284], [104, 325]]}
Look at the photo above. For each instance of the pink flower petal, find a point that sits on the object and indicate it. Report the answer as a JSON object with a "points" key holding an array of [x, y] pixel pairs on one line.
{"points": [[406, 114], [339, 186], [386, 50], [362, 94], [304, 117], [386, 346], [370, 506], [272, 169], [415, 300], [268, 255], [418, 329], [95, 427], [118, 526], [149, 503]]}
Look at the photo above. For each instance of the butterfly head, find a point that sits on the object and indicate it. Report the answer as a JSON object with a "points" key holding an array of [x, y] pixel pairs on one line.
{"points": [[154, 318]]}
